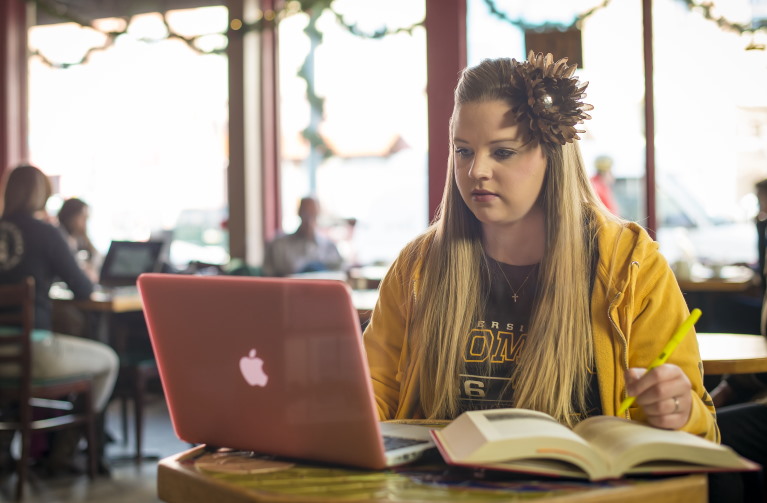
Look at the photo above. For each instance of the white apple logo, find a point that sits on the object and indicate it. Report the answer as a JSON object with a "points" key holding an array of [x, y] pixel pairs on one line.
{"points": [[252, 369]]}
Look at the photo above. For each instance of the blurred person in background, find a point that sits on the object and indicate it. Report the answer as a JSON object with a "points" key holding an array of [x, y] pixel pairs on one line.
{"points": [[306, 250], [73, 224], [72, 221], [761, 228], [603, 181]]}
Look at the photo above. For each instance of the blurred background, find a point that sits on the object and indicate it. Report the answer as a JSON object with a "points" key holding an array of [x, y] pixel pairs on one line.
{"points": [[138, 123]]}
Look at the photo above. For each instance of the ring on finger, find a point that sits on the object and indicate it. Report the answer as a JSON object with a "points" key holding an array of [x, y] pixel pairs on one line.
{"points": [[676, 405]]}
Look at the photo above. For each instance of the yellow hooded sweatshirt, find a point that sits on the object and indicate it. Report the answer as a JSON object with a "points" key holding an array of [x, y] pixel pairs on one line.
{"points": [[636, 305]]}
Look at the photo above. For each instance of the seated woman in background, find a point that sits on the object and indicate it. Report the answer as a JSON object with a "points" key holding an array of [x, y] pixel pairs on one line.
{"points": [[73, 223], [31, 246]]}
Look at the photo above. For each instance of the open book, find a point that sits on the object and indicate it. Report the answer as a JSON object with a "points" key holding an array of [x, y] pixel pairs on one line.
{"points": [[601, 447]]}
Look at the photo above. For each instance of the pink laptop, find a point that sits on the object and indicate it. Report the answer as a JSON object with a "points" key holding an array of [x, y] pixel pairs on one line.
{"points": [[272, 365]]}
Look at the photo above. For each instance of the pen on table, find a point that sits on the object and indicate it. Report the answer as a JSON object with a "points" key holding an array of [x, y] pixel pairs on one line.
{"points": [[669, 348]]}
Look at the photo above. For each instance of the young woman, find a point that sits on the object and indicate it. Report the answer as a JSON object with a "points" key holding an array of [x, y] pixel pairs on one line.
{"points": [[73, 223], [526, 291], [31, 246]]}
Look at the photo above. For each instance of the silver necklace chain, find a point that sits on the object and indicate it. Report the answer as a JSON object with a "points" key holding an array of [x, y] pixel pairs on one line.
{"points": [[515, 293]]}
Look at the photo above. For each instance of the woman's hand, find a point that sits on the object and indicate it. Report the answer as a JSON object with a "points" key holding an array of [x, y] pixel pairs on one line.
{"points": [[663, 393]]}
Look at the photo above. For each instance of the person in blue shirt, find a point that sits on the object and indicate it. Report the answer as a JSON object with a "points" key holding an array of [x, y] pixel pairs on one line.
{"points": [[306, 250]]}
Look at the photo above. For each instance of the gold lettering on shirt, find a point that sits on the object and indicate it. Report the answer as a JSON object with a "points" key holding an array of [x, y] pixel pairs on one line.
{"points": [[500, 347], [496, 324], [480, 344], [474, 389], [507, 347]]}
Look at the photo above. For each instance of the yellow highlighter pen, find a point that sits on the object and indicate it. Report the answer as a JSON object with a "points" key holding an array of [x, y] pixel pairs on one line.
{"points": [[669, 348]]}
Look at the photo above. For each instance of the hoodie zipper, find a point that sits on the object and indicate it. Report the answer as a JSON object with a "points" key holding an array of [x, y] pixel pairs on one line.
{"points": [[625, 359]]}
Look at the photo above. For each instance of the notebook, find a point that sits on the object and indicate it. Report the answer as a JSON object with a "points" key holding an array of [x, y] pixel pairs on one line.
{"points": [[271, 365], [125, 260]]}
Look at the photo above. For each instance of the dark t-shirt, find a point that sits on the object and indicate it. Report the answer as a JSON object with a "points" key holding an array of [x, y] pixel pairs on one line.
{"points": [[30, 247], [498, 339]]}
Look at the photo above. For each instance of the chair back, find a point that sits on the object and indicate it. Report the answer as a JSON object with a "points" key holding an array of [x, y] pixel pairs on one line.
{"points": [[19, 393], [17, 319]]}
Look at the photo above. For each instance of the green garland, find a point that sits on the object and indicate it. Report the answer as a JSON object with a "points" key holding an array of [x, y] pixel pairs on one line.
{"points": [[66, 16], [269, 19], [707, 9], [548, 26], [316, 103]]}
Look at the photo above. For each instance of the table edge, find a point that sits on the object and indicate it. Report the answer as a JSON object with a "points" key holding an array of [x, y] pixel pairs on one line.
{"points": [[170, 469]]}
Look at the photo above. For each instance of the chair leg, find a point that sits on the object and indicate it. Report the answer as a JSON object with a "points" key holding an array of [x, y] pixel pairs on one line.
{"points": [[138, 411], [23, 465], [124, 417], [7, 461], [95, 448]]}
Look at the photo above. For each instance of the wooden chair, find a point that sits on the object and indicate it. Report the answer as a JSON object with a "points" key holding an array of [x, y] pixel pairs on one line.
{"points": [[23, 392]]}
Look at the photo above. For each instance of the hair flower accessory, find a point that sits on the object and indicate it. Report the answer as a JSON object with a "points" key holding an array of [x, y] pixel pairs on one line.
{"points": [[546, 99]]}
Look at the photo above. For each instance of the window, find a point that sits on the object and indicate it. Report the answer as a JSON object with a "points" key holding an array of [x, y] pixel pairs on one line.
{"points": [[373, 124], [709, 92], [139, 131], [612, 65], [710, 111]]}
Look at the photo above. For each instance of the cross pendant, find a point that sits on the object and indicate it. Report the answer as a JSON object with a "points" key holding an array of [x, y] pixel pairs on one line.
{"points": [[515, 297]]}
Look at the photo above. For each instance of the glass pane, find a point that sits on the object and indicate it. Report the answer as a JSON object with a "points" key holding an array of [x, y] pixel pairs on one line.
{"points": [[711, 125], [612, 65], [139, 131], [373, 122], [708, 91]]}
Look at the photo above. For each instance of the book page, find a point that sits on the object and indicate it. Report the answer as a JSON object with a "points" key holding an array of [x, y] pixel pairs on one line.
{"points": [[629, 443], [505, 423], [540, 466], [509, 424], [503, 435]]}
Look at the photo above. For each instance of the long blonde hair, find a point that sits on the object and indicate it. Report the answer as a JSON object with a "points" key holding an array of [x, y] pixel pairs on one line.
{"points": [[552, 372]]}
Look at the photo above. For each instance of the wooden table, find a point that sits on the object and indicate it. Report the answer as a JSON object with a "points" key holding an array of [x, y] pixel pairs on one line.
{"points": [[364, 289], [178, 480], [107, 302], [120, 300], [730, 301], [733, 279], [104, 306], [126, 301], [732, 353], [367, 277], [364, 301]]}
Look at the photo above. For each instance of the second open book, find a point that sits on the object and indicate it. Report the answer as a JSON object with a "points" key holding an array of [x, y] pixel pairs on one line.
{"points": [[601, 447]]}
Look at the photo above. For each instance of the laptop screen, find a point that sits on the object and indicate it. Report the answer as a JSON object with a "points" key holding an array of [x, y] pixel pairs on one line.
{"points": [[125, 260]]}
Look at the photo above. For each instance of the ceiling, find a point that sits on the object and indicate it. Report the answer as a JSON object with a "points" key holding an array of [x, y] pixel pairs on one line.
{"points": [[57, 11]]}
